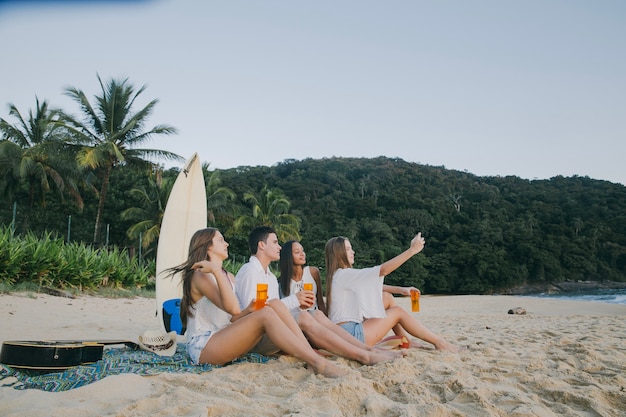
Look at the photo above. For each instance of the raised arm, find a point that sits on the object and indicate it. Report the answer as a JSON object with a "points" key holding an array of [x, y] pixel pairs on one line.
{"points": [[417, 244], [216, 285]]}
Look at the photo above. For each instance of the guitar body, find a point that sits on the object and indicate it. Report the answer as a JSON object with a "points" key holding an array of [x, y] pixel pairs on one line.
{"points": [[53, 355]]}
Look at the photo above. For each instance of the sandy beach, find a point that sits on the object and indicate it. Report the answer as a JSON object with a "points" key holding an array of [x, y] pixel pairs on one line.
{"points": [[563, 358]]}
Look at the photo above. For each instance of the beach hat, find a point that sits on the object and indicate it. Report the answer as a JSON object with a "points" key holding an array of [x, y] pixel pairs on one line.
{"points": [[159, 342]]}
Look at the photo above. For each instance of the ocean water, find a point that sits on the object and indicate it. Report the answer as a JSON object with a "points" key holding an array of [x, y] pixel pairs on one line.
{"points": [[617, 296]]}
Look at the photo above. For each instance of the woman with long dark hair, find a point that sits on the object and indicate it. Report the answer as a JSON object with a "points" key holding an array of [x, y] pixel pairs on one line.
{"points": [[294, 273]]}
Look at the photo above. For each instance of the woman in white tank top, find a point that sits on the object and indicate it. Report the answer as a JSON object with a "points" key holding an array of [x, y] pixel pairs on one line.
{"points": [[294, 274], [218, 331]]}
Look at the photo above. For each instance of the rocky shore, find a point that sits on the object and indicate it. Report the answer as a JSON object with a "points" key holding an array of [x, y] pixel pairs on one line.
{"points": [[564, 287]]}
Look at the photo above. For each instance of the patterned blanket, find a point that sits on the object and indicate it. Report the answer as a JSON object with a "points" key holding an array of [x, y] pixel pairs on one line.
{"points": [[114, 361]]}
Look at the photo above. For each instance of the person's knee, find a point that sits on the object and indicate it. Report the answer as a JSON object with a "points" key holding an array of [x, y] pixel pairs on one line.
{"points": [[306, 322], [304, 319], [276, 304], [395, 311], [388, 300], [267, 314], [319, 316]]}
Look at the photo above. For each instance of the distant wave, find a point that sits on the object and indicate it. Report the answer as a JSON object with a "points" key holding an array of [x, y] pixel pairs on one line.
{"points": [[603, 296]]}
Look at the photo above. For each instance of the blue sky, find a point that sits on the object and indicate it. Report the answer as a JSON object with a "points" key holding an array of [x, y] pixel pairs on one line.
{"points": [[531, 88]]}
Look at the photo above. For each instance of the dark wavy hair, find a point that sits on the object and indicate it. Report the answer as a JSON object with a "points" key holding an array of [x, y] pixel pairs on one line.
{"points": [[199, 245], [286, 267]]}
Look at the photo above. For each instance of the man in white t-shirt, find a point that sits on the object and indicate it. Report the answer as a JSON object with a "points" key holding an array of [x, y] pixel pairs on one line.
{"points": [[264, 249]]}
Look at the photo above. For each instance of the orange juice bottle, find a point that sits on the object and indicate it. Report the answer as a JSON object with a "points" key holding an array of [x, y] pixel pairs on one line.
{"points": [[261, 295], [415, 301]]}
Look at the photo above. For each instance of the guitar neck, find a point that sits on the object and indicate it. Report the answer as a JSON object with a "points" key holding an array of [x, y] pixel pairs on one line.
{"points": [[100, 342]]}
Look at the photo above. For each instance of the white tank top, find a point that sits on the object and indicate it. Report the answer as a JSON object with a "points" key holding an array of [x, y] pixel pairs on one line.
{"points": [[297, 286], [206, 317]]}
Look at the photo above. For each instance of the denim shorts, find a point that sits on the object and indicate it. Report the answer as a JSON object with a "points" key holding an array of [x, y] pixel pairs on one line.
{"points": [[195, 344], [355, 329]]}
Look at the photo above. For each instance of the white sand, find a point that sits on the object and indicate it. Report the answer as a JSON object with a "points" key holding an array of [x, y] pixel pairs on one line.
{"points": [[563, 358]]}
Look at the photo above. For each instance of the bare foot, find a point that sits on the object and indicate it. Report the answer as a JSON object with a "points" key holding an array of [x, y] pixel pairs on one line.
{"points": [[328, 369], [375, 357], [448, 347], [324, 353]]}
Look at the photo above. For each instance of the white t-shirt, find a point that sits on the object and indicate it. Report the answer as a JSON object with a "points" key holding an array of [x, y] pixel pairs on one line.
{"points": [[357, 294], [252, 273]]}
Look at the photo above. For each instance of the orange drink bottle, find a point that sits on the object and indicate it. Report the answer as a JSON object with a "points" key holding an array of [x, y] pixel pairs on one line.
{"points": [[308, 286], [261, 295], [415, 300]]}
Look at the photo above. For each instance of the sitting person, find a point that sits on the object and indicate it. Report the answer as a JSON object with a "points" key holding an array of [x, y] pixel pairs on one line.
{"points": [[321, 333], [354, 298], [294, 273], [218, 331]]}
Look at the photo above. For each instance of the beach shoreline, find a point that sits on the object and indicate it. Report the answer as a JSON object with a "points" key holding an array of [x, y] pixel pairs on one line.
{"points": [[561, 358]]}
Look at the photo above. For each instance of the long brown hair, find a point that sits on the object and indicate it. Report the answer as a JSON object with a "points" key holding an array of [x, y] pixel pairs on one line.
{"points": [[199, 246], [336, 258]]}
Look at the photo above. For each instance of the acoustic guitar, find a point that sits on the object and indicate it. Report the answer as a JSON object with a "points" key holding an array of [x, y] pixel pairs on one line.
{"points": [[55, 355]]}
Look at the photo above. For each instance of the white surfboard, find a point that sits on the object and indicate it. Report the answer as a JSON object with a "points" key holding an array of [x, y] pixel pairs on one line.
{"points": [[185, 213]]}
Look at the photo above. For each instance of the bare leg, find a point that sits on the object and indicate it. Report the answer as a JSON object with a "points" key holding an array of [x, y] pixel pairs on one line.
{"points": [[281, 309], [321, 337], [238, 338], [376, 329], [341, 332], [389, 302]]}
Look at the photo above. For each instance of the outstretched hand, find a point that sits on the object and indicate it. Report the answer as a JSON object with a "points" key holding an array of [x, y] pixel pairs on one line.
{"points": [[417, 243]]}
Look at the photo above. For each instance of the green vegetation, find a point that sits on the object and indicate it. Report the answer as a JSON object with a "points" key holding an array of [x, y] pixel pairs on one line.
{"points": [[108, 134], [483, 234], [50, 262], [81, 208]]}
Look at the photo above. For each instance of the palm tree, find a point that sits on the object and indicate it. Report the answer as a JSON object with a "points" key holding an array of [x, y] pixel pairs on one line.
{"points": [[219, 198], [32, 153], [271, 208], [149, 213], [152, 202], [108, 134]]}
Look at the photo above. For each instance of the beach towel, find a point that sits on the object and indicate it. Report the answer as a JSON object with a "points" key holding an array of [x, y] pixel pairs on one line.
{"points": [[114, 361]]}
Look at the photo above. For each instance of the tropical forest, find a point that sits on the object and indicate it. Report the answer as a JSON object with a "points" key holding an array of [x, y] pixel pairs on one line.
{"points": [[82, 198]]}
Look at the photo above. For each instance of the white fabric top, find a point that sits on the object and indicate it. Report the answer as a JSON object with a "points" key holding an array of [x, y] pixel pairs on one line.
{"points": [[297, 286], [206, 317], [250, 274], [357, 294]]}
